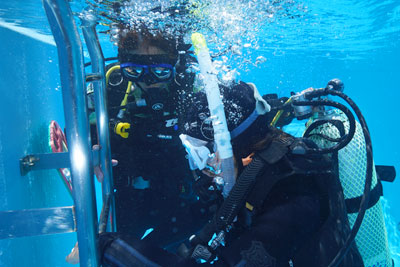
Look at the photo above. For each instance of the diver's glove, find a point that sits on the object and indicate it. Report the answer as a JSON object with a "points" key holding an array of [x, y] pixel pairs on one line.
{"points": [[195, 250], [206, 189]]}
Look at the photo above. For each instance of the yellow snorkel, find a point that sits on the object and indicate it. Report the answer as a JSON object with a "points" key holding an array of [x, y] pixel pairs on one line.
{"points": [[128, 89]]}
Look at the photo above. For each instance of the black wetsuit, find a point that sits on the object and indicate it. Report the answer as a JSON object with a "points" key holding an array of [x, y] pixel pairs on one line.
{"points": [[152, 180]]}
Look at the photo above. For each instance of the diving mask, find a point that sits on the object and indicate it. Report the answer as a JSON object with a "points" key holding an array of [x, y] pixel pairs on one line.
{"points": [[150, 69], [149, 74]]}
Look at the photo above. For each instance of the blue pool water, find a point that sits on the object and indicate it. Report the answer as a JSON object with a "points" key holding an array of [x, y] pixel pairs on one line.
{"points": [[356, 41]]}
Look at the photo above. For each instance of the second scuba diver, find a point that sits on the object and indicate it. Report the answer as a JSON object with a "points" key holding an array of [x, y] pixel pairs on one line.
{"points": [[285, 209]]}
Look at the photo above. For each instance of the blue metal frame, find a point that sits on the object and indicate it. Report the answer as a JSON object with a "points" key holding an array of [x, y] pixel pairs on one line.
{"points": [[45, 221], [89, 21], [80, 158], [77, 124], [45, 161]]}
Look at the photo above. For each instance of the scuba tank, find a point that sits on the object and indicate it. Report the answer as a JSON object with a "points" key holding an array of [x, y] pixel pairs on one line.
{"points": [[326, 127], [371, 239]]}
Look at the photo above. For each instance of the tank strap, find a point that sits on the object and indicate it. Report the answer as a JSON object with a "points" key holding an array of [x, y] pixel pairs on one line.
{"points": [[353, 204], [384, 173], [277, 149]]}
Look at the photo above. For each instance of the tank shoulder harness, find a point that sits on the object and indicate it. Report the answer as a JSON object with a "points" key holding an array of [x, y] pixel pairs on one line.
{"points": [[285, 150]]}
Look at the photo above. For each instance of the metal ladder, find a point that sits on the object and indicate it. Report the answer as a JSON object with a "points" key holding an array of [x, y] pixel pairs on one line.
{"points": [[82, 217]]}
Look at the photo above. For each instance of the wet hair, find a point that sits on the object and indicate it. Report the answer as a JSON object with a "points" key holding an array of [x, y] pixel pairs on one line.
{"points": [[130, 39]]}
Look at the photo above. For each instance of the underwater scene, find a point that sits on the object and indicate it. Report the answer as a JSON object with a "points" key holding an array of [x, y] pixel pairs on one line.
{"points": [[199, 132]]}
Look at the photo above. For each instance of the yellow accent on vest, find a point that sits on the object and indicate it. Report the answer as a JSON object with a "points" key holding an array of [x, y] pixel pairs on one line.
{"points": [[249, 206], [121, 128]]}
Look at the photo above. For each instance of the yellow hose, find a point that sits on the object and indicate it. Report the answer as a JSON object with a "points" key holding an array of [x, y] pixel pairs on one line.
{"points": [[111, 70], [128, 89]]}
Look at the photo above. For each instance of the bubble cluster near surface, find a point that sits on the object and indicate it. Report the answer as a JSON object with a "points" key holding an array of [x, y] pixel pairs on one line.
{"points": [[232, 28]]}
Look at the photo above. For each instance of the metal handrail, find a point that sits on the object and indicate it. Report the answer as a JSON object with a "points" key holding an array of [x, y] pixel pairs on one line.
{"points": [[72, 75], [89, 21]]}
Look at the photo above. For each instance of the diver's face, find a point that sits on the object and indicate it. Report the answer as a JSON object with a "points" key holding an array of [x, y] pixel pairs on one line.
{"points": [[147, 55]]}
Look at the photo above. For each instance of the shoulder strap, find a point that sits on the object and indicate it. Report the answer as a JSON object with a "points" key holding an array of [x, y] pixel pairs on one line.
{"points": [[273, 154], [277, 149], [283, 158]]}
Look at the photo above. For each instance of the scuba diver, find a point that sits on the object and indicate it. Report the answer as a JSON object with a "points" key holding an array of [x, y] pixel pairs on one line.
{"points": [[285, 209], [156, 195], [154, 188]]}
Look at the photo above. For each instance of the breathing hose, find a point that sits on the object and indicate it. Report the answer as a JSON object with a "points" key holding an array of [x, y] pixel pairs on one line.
{"points": [[279, 113], [234, 202], [368, 180]]}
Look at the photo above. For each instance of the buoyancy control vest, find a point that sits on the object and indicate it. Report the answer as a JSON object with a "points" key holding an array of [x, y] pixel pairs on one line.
{"points": [[371, 240], [284, 158]]}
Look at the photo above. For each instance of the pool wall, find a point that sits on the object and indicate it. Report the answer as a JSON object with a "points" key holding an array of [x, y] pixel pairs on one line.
{"points": [[31, 98]]}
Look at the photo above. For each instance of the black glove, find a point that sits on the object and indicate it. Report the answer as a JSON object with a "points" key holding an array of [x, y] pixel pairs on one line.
{"points": [[205, 189]]}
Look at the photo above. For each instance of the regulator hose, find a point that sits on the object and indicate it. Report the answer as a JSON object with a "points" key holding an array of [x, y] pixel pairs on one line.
{"points": [[235, 200], [319, 123], [348, 137]]}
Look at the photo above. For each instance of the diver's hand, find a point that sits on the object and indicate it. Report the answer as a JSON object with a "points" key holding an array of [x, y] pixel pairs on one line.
{"points": [[213, 166], [207, 189], [97, 169]]}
